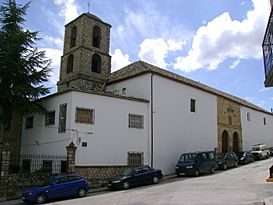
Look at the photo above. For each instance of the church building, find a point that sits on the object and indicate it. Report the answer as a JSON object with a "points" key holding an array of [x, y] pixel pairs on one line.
{"points": [[138, 115]]}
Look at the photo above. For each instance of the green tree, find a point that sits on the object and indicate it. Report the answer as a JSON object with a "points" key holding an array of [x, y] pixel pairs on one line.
{"points": [[23, 69]]}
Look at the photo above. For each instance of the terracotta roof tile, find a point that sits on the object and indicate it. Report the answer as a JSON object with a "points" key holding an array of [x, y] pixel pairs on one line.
{"points": [[140, 67]]}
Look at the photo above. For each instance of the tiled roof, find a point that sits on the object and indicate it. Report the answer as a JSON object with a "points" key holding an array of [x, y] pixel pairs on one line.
{"points": [[140, 67], [106, 94]]}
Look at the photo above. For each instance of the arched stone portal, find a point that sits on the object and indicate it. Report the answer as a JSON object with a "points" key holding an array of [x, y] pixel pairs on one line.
{"points": [[225, 141], [235, 142]]}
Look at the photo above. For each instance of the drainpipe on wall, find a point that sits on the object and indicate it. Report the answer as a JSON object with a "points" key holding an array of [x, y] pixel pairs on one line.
{"points": [[152, 122]]}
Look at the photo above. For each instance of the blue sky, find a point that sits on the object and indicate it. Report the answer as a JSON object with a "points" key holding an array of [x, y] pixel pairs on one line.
{"points": [[215, 42]]}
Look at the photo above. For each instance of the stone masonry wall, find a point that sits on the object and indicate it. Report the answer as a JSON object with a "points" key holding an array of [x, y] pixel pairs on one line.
{"points": [[228, 119]]}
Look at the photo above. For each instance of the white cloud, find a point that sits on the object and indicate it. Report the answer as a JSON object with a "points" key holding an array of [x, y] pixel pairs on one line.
{"points": [[223, 37], [119, 60], [143, 21], [69, 9], [235, 64], [155, 51], [55, 56]]}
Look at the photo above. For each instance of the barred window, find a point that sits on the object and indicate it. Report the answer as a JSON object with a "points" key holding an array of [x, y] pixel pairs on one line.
{"points": [[85, 116], [29, 122], [62, 118], [50, 118], [135, 158], [136, 121]]}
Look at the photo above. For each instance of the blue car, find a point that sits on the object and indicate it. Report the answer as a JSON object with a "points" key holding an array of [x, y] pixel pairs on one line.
{"points": [[58, 187]]}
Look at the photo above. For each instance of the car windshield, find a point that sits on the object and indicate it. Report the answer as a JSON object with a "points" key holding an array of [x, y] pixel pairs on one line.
{"points": [[187, 157], [128, 172]]}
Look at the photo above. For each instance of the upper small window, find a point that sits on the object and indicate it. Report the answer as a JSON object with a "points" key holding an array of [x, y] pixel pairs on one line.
{"points": [[50, 118], [29, 122], [136, 121], [73, 36], [96, 36], [70, 63], [248, 116], [264, 121], [193, 105], [85, 116], [96, 63]]}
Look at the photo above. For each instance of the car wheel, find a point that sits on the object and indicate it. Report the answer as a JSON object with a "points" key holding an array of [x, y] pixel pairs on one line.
{"points": [[155, 180], [125, 185], [212, 170], [40, 199], [196, 173], [81, 192], [224, 166]]}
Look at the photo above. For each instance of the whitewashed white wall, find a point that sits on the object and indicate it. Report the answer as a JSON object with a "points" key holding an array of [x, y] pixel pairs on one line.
{"points": [[254, 131], [176, 129], [43, 139], [111, 140]]}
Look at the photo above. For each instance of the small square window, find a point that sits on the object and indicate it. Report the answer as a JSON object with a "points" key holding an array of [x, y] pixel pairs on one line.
{"points": [[85, 116], [135, 158], [136, 121], [193, 105]]}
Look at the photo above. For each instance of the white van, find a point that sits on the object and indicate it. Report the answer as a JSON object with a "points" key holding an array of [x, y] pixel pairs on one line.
{"points": [[260, 151]]}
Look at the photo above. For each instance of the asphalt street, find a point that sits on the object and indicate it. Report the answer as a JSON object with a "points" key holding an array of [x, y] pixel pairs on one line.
{"points": [[245, 185]]}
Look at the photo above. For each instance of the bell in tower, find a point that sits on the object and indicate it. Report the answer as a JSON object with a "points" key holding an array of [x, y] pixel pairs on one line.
{"points": [[86, 63]]}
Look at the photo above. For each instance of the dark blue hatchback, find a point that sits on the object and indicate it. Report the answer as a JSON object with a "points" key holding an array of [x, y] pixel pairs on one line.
{"points": [[58, 187]]}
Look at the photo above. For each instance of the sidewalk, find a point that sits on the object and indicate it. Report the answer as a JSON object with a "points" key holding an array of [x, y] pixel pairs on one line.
{"points": [[268, 201]]}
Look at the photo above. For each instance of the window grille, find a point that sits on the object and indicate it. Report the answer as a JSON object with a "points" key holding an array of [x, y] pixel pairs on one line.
{"points": [[136, 121], [135, 158], [85, 116]]}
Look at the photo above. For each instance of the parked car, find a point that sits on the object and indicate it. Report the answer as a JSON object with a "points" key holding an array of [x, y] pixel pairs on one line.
{"points": [[196, 163], [227, 160], [260, 151], [137, 176], [271, 151], [245, 157], [58, 187]]}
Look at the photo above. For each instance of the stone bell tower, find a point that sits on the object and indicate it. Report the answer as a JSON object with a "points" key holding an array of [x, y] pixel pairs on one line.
{"points": [[86, 63]]}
